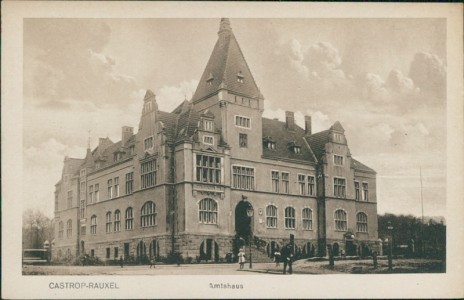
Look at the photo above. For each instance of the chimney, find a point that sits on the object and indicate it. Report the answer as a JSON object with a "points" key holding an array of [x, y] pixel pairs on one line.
{"points": [[308, 130], [290, 120], [127, 132]]}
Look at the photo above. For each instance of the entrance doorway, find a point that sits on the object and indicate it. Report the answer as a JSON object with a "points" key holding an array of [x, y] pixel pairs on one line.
{"points": [[154, 249], [141, 252], [242, 221], [82, 248], [209, 250]]}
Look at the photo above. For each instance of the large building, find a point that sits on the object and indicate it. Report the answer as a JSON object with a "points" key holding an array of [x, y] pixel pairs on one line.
{"points": [[188, 180]]}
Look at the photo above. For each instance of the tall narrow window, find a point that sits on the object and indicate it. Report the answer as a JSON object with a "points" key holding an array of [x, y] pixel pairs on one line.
{"points": [[110, 188], [97, 192], [338, 160], [301, 184], [243, 178], [148, 143], [91, 199], [339, 187], [129, 219], [357, 190], [361, 222], [129, 183], [70, 199], [69, 228], [82, 209], [311, 190], [116, 187], [148, 169], [60, 230], [285, 183], [93, 224], [307, 217], [208, 169], [109, 223], [290, 218], [241, 121], [271, 216], [340, 220], [207, 211], [243, 140], [365, 191], [275, 181], [148, 214], [117, 220]]}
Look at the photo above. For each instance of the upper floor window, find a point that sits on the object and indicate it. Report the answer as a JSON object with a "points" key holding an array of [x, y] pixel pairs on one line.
{"points": [[91, 193], [242, 122], [148, 173], [70, 199], [269, 143], [338, 160], [117, 220], [148, 214], [131, 150], [129, 219], [209, 140], [290, 218], [97, 165], [129, 183], [83, 172], [243, 140], [285, 183], [243, 178], [208, 125], [93, 224], [110, 188], [116, 187], [340, 220], [147, 106], [82, 209], [271, 216], [357, 192], [301, 184], [361, 222], [311, 185], [109, 223], [339, 187], [83, 229], [275, 181], [60, 230], [365, 191], [296, 149], [97, 192], [69, 228], [207, 211], [148, 143], [208, 168], [307, 217], [82, 190]]}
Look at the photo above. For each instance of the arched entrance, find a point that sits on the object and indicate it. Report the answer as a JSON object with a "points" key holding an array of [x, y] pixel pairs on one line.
{"points": [[336, 249], [242, 221], [271, 248], [141, 252], [82, 247], [209, 250], [154, 249]]}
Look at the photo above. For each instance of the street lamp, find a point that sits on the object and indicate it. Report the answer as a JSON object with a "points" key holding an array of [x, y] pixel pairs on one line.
{"points": [[250, 215], [390, 246]]}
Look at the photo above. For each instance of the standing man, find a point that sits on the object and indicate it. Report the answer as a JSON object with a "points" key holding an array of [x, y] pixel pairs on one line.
{"points": [[121, 261], [287, 257]]}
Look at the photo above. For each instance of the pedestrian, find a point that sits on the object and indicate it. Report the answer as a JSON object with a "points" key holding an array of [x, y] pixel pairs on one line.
{"points": [[277, 257], [241, 258], [287, 258], [153, 262], [121, 261]]}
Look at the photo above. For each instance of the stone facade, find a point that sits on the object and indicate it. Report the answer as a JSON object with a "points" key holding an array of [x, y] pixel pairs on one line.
{"points": [[187, 180]]}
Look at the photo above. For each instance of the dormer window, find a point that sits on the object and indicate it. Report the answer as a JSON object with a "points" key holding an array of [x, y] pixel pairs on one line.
{"points": [[240, 77], [208, 125], [98, 165], [294, 148], [269, 143], [210, 79], [117, 156]]}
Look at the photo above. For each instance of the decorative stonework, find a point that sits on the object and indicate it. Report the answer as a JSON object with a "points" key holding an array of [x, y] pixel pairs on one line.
{"points": [[208, 190]]}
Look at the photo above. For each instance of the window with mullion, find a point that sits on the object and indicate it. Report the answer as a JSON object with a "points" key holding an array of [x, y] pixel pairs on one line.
{"points": [[275, 181], [307, 217], [148, 173], [290, 218], [207, 211], [129, 218], [117, 220], [301, 184], [285, 183], [148, 213], [108, 222], [340, 220], [361, 222], [271, 216], [208, 169]]}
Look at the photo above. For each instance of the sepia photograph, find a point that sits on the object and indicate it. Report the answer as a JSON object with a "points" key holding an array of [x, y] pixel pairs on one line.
{"points": [[276, 147]]}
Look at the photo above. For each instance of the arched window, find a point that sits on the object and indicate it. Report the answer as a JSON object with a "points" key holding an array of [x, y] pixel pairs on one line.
{"points": [[147, 217], [108, 222], [60, 230], [307, 217], [117, 220], [340, 220], [290, 217], [271, 216], [129, 219], [207, 211], [69, 228], [361, 222], [93, 224]]}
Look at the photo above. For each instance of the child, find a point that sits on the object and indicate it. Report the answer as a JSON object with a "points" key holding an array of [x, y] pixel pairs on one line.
{"points": [[241, 258]]}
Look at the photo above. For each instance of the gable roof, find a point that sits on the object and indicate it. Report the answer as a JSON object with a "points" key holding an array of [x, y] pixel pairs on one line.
{"points": [[225, 64], [357, 165], [317, 143]]}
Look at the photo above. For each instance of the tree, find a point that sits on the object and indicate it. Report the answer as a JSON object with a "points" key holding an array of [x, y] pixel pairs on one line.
{"points": [[37, 228]]}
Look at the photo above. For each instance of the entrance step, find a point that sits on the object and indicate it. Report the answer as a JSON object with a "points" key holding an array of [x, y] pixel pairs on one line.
{"points": [[258, 256]]}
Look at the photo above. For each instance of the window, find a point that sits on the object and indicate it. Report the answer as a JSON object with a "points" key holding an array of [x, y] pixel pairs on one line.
{"points": [[82, 209], [60, 230], [117, 220], [365, 191], [361, 222], [91, 194], [97, 192], [339, 187], [243, 178], [131, 150], [296, 149], [148, 173], [338, 160], [301, 184], [208, 125], [275, 181], [148, 214], [116, 187], [290, 218], [116, 252], [83, 229], [242, 122], [243, 140], [93, 224], [117, 156], [208, 169], [311, 189], [207, 209], [340, 220], [110, 188], [307, 217], [108, 222], [82, 189], [356, 190], [285, 183], [148, 143], [70, 199], [129, 219], [97, 165], [108, 252], [83, 172], [207, 139], [69, 228], [269, 144], [56, 202], [147, 106], [271, 216], [129, 183], [240, 77]]}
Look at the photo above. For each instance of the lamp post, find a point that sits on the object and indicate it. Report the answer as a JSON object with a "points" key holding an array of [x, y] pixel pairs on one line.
{"points": [[250, 215], [390, 246]]}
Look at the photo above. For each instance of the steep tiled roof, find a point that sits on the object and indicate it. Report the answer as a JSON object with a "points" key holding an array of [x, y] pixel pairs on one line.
{"points": [[360, 166], [225, 65], [187, 124], [169, 121], [317, 142], [277, 131]]}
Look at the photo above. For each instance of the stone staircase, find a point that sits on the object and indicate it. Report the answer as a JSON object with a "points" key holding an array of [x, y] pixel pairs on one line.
{"points": [[258, 255]]}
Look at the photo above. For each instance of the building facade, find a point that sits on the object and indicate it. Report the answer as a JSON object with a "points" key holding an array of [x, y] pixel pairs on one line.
{"points": [[188, 180]]}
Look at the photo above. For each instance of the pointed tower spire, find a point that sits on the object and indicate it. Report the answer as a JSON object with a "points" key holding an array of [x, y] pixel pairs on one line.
{"points": [[224, 26]]}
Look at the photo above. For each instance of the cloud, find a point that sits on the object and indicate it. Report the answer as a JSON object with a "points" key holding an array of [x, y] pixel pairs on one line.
{"points": [[170, 96], [429, 73], [323, 61]]}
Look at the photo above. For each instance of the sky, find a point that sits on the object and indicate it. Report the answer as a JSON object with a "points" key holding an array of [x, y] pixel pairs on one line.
{"points": [[383, 79]]}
